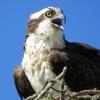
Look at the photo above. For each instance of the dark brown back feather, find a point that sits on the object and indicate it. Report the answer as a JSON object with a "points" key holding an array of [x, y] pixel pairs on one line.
{"points": [[83, 65]]}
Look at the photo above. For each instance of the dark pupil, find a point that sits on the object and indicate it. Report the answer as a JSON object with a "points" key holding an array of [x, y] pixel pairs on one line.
{"points": [[49, 14]]}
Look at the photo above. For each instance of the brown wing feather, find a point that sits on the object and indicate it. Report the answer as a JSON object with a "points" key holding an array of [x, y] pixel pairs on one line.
{"points": [[83, 49], [88, 47], [22, 84], [83, 66]]}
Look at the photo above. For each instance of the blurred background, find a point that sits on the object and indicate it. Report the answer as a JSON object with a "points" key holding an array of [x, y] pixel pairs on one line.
{"points": [[83, 25]]}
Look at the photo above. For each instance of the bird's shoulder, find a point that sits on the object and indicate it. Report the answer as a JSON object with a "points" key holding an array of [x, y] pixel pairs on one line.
{"points": [[82, 49]]}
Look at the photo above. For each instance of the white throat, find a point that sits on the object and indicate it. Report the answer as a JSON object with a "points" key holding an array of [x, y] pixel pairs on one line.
{"points": [[35, 63]]}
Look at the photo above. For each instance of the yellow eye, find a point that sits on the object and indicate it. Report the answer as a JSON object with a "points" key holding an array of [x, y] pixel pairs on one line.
{"points": [[48, 14]]}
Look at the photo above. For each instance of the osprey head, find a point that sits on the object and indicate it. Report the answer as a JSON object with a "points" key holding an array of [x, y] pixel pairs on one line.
{"points": [[47, 21]]}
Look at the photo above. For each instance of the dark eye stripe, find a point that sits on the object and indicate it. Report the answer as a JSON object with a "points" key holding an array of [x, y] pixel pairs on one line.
{"points": [[33, 24]]}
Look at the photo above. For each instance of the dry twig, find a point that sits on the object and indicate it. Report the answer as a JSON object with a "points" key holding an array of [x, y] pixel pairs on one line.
{"points": [[81, 95], [84, 95], [37, 96]]}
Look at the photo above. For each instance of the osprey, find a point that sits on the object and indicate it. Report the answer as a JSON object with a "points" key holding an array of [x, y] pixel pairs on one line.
{"points": [[47, 53]]}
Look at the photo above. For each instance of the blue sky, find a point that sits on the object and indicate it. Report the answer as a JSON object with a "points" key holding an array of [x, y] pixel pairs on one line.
{"points": [[83, 25]]}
